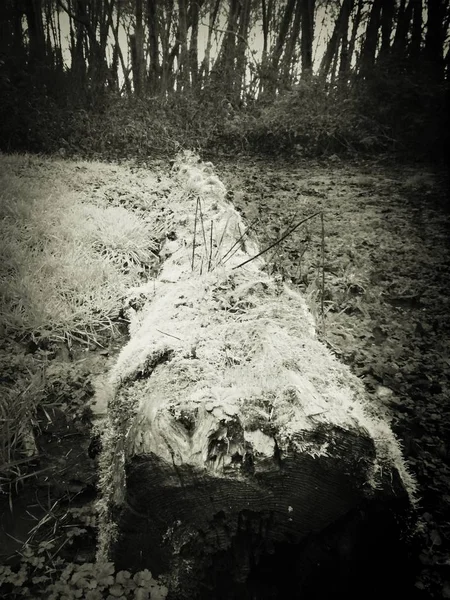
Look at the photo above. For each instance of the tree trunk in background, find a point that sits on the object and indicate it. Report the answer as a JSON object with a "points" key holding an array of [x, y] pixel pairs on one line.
{"points": [[344, 64], [223, 71], [367, 60], [387, 19], [153, 33], [279, 45], [355, 27], [137, 51], [339, 32], [307, 37], [33, 13], [183, 58], [117, 50], [400, 43], [166, 60], [416, 33], [205, 66], [434, 40], [79, 67], [241, 47], [11, 35], [193, 47], [265, 69], [288, 56]]}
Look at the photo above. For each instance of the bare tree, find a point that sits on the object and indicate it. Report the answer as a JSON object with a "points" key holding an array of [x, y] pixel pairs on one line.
{"points": [[308, 7]]}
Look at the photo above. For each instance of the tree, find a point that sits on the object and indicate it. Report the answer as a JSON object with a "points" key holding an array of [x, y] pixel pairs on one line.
{"points": [[153, 46], [34, 16], [434, 40], [368, 53], [137, 50], [339, 34], [308, 7]]}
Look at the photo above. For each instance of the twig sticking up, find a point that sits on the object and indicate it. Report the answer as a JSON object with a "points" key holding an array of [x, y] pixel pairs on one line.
{"points": [[283, 237], [222, 261], [195, 233]]}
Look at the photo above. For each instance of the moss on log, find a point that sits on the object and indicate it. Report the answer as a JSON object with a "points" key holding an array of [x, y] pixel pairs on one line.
{"points": [[234, 437]]}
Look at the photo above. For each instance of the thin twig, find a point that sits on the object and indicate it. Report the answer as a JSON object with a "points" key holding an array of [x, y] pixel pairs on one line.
{"points": [[283, 237], [323, 274], [222, 261], [195, 233], [210, 245], [291, 222], [221, 239], [203, 226], [169, 334]]}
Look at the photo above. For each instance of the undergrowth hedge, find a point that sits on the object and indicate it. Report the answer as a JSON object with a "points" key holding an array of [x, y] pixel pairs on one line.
{"points": [[391, 112]]}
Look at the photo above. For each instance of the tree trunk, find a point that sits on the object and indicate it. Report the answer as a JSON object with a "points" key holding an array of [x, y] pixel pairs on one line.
{"points": [[307, 37], [239, 454], [288, 55], [340, 30], [183, 58], [204, 70], [153, 27], [434, 40], [345, 57], [415, 44], [117, 50], [400, 43], [193, 47], [33, 13], [369, 48], [265, 69], [387, 18], [137, 51], [355, 27], [241, 48], [277, 51], [166, 60], [223, 71]]}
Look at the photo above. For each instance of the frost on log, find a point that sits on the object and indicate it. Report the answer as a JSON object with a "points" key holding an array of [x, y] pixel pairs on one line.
{"points": [[240, 458]]}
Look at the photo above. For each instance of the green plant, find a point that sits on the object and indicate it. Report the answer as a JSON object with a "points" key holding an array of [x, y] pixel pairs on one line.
{"points": [[42, 575]]}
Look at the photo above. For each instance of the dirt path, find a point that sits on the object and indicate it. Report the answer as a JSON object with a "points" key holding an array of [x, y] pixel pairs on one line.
{"points": [[386, 300]]}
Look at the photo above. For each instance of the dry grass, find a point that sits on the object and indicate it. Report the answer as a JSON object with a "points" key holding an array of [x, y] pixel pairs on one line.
{"points": [[70, 254], [67, 263]]}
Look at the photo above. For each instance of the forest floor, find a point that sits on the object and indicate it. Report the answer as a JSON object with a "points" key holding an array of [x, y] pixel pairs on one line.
{"points": [[379, 288]]}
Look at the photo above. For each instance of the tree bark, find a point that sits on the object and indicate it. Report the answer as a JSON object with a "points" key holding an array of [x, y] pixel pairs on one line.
{"points": [[400, 43], [414, 51], [153, 34], [434, 40], [387, 19], [193, 47], [137, 50], [288, 56], [369, 48], [355, 27], [340, 30], [33, 13], [307, 37], [204, 70]]}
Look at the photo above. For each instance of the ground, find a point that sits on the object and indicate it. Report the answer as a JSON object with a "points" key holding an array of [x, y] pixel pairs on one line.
{"points": [[379, 292]]}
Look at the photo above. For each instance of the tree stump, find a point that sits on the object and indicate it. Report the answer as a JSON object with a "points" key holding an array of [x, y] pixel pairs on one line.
{"points": [[241, 459]]}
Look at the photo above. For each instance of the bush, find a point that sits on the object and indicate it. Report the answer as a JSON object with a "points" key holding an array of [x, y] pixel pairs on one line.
{"points": [[394, 110]]}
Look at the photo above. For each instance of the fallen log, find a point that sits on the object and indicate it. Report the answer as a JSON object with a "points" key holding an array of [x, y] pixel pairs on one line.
{"points": [[239, 455]]}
